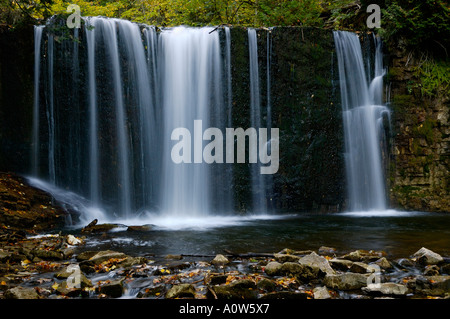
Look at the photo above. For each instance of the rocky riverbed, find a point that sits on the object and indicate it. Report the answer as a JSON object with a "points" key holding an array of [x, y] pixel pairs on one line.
{"points": [[63, 266]]}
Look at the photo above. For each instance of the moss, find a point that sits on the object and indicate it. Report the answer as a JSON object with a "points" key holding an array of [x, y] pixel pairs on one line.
{"points": [[402, 102], [425, 130], [433, 77]]}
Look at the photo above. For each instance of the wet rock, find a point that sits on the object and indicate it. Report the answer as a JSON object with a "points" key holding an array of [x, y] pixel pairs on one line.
{"points": [[220, 260], [177, 266], [21, 293], [112, 289], [359, 267], [433, 285], [132, 261], [282, 258], [151, 292], [181, 291], [301, 272], [431, 270], [285, 295], [239, 289], [446, 269], [48, 254], [364, 255], [82, 281], [340, 264], [218, 279], [346, 281], [102, 256], [85, 255], [383, 263], [140, 228], [388, 288], [425, 256], [266, 285], [101, 228], [321, 293], [405, 263], [327, 251], [72, 240], [273, 268], [71, 290], [315, 261], [4, 256]]}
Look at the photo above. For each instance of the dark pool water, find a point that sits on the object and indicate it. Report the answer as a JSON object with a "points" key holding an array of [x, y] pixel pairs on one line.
{"points": [[400, 234]]}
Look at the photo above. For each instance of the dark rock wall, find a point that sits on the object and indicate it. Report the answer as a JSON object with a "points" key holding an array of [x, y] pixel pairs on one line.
{"points": [[16, 97], [420, 161], [305, 107]]}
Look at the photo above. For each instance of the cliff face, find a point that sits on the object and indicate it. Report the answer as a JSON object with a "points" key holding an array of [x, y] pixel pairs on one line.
{"points": [[16, 97], [420, 162], [305, 107]]}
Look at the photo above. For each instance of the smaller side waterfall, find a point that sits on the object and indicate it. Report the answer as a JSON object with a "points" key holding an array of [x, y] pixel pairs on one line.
{"points": [[363, 114], [37, 72], [257, 180]]}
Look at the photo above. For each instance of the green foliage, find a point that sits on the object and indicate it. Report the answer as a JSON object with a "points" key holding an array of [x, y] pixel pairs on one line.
{"points": [[434, 77], [289, 13], [424, 24], [14, 12]]}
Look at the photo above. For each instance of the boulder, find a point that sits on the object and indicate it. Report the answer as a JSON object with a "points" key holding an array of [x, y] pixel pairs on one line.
{"points": [[321, 293], [359, 267], [72, 240], [282, 258], [433, 285], [346, 281], [340, 264], [21, 293], [105, 255], [239, 289], [327, 251], [220, 260], [364, 255], [112, 289], [140, 228], [425, 256], [100, 228], [48, 254], [67, 272], [388, 288], [315, 261], [431, 270], [181, 291], [266, 285], [218, 279], [383, 263], [273, 268], [301, 272]]}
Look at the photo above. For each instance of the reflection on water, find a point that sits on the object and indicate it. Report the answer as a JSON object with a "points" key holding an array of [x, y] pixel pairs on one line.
{"points": [[400, 235]]}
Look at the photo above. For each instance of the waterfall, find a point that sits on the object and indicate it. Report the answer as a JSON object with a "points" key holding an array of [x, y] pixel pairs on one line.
{"points": [[114, 92], [37, 71], [191, 79], [363, 115], [94, 167]]}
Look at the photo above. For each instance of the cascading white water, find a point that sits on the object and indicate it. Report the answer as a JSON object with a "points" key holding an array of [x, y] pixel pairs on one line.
{"points": [[135, 86], [37, 72], [94, 165], [258, 185], [363, 114], [190, 69]]}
